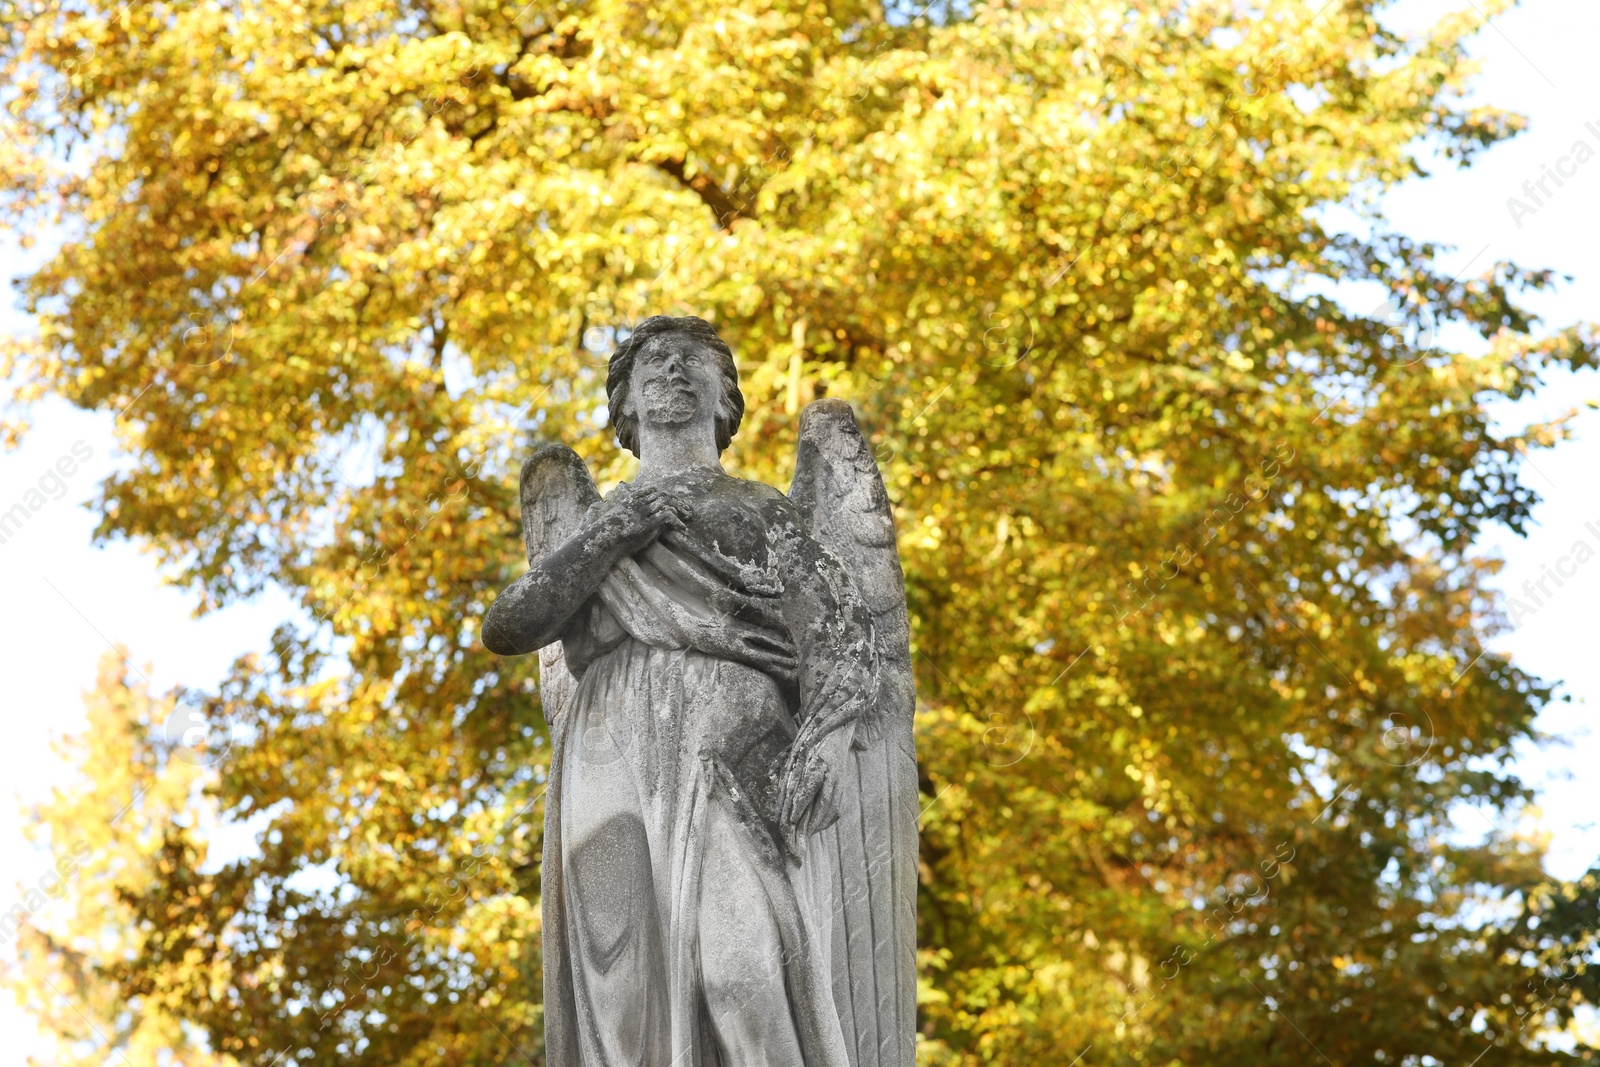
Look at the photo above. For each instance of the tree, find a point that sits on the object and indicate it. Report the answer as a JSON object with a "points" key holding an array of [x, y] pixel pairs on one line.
{"points": [[1199, 626]]}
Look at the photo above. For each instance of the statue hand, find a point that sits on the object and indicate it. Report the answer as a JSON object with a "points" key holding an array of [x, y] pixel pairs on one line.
{"points": [[634, 517], [808, 800]]}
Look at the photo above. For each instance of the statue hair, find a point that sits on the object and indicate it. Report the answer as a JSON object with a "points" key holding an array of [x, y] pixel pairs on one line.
{"points": [[619, 376]]}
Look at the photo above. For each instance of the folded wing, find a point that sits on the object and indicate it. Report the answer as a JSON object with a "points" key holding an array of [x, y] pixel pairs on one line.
{"points": [[864, 865]]}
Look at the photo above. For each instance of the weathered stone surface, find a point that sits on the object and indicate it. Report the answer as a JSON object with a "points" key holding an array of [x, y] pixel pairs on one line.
{"points": [[730, 846]]}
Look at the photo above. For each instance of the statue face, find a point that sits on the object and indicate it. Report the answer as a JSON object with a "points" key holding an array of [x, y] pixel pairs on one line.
{"points": [[676, 380]]}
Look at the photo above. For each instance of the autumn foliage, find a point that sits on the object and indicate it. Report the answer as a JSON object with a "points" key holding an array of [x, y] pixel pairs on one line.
{"points": [[1198, 625]]}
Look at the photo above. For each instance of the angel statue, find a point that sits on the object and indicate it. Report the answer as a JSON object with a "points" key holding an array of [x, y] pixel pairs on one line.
{"points": [[729, 874]]}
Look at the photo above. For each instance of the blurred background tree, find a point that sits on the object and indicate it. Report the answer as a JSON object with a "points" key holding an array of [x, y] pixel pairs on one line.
{"points": [[1199, 628]]}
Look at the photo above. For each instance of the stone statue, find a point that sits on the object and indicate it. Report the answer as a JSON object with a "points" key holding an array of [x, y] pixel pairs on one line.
{"points": [[730, 844]]}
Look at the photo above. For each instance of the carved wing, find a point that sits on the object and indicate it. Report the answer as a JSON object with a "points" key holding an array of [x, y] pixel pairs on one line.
{"points": [[557, 490], [865, 865]]}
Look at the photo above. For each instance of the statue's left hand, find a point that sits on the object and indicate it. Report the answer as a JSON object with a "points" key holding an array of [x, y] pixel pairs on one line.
{"points": [[808, 797]]}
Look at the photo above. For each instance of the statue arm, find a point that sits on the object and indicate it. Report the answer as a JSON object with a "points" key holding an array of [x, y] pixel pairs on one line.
{"points": [[534, 610], [832, 630]]}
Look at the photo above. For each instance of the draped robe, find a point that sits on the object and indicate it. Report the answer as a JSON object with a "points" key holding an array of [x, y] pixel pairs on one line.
{"points": [[680, 926]]}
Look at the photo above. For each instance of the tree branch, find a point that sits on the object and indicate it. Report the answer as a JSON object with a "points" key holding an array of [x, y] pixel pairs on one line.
{"points": [[702, 184]]}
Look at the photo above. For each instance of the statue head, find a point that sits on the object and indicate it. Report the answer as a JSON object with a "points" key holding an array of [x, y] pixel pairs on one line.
{"points": [[666, 371]]}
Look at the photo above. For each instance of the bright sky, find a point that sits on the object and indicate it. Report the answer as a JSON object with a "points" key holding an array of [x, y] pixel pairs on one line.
{"points": [[71, 600]]}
